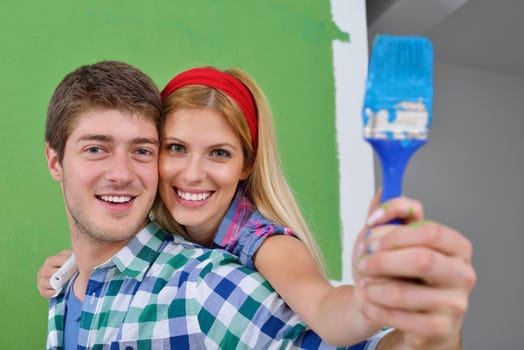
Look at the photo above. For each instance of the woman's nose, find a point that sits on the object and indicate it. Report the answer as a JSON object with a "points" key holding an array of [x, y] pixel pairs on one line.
{"points": [[193, 170]]}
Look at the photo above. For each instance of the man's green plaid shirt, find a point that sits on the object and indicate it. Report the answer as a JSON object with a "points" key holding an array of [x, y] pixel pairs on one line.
{"points": [[163, 292]]}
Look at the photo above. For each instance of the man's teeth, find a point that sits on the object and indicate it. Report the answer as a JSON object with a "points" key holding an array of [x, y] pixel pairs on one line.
{"points": [[194, 196], [116, 199]]}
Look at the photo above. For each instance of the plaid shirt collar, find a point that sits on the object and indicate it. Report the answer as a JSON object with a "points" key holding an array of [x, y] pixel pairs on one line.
{"points": [[134, 259]]}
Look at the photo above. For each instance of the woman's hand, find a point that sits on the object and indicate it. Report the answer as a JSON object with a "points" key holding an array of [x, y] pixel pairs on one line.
{"points": [[50, 266], [415, 277]]}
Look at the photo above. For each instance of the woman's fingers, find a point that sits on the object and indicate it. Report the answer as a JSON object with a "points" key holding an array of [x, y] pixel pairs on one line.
{"points": [[50, 266], [421, 265], [424, 313], [406, 209], [403, 208], [431, 253], [416, 324], [405, 253], [415, 277], [427, 234], [56, 261], [375, 202], [413, 297]]}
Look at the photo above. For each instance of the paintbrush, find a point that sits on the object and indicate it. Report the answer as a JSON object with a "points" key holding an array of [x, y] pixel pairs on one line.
{"points": [[397, 104]]}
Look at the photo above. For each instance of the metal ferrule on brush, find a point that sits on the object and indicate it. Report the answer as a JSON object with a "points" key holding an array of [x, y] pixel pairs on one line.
{"points": [[404, 121]]}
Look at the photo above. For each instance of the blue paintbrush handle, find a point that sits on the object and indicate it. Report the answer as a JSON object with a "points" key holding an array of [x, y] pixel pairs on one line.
{"points": [[394, 156]]}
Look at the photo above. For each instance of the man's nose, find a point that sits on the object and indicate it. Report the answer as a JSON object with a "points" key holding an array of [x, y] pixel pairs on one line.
{"points": [[120, 168]]}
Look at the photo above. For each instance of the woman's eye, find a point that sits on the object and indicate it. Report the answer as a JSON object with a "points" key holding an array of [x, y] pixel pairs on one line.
{"points": [[221, 153], [176, 148]]}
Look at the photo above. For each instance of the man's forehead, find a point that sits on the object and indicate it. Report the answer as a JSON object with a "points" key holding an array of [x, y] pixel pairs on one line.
{"points": [[112, 124]]}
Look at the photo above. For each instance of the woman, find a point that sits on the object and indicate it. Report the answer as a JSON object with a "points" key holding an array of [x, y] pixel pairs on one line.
{"points": [[218, 147], [221, 186]]}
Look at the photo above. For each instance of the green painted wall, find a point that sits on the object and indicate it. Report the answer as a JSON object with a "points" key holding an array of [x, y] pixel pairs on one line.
{"points": [[284, 44]]}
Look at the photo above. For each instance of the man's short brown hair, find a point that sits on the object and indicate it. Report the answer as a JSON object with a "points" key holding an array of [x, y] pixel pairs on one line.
{"points": [[104, 85]]}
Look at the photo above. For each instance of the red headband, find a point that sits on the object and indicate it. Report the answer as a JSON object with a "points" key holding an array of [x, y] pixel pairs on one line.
{"points": [[224, 82]]}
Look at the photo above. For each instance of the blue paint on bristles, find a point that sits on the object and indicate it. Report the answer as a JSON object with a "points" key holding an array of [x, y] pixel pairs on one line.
{"points": [[398, 103]]}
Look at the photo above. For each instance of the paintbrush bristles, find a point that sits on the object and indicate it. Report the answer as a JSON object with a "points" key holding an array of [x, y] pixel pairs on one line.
{"points": [[401, 62], [399, 89]]}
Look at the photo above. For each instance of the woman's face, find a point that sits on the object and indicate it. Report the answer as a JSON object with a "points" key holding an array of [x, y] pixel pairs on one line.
{"points": [[201, 163]]}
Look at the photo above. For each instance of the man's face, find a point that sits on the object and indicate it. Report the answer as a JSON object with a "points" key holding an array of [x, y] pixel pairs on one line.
{"points": [[108, 175]]}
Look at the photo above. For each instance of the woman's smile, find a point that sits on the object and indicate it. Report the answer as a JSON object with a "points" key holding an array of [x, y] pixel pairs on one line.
{"points": [[201, 164]]}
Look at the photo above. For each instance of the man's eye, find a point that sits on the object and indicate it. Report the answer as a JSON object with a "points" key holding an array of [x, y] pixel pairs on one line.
{"points": [[94, 150], [144, 152]]}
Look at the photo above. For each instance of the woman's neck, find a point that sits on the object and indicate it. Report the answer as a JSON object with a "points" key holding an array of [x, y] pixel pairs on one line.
{"points": [[204, 238]]}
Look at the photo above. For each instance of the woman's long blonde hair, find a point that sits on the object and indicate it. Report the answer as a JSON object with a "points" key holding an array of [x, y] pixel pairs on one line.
{"points": [[266, 185]]}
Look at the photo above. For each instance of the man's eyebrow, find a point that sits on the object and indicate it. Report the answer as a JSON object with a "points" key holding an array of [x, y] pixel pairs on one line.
{"points": [[106, 138], [95, 137], [146, 140]]}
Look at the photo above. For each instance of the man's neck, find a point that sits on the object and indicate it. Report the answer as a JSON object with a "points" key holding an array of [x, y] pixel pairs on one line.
{"points": [[89, 254]]}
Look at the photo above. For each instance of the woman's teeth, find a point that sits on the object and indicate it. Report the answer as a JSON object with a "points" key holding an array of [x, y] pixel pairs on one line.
{"points": [[193, 196]]}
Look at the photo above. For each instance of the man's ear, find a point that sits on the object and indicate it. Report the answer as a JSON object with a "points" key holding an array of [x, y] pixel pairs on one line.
{"points": [[53, 164]]}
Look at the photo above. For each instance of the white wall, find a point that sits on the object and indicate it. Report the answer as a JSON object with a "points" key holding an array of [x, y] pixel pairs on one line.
{"points": [[354, 154], [470, 176]]}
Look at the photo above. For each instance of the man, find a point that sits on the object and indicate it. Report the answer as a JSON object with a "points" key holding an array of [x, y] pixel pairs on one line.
{"points": [[138, 287]]}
